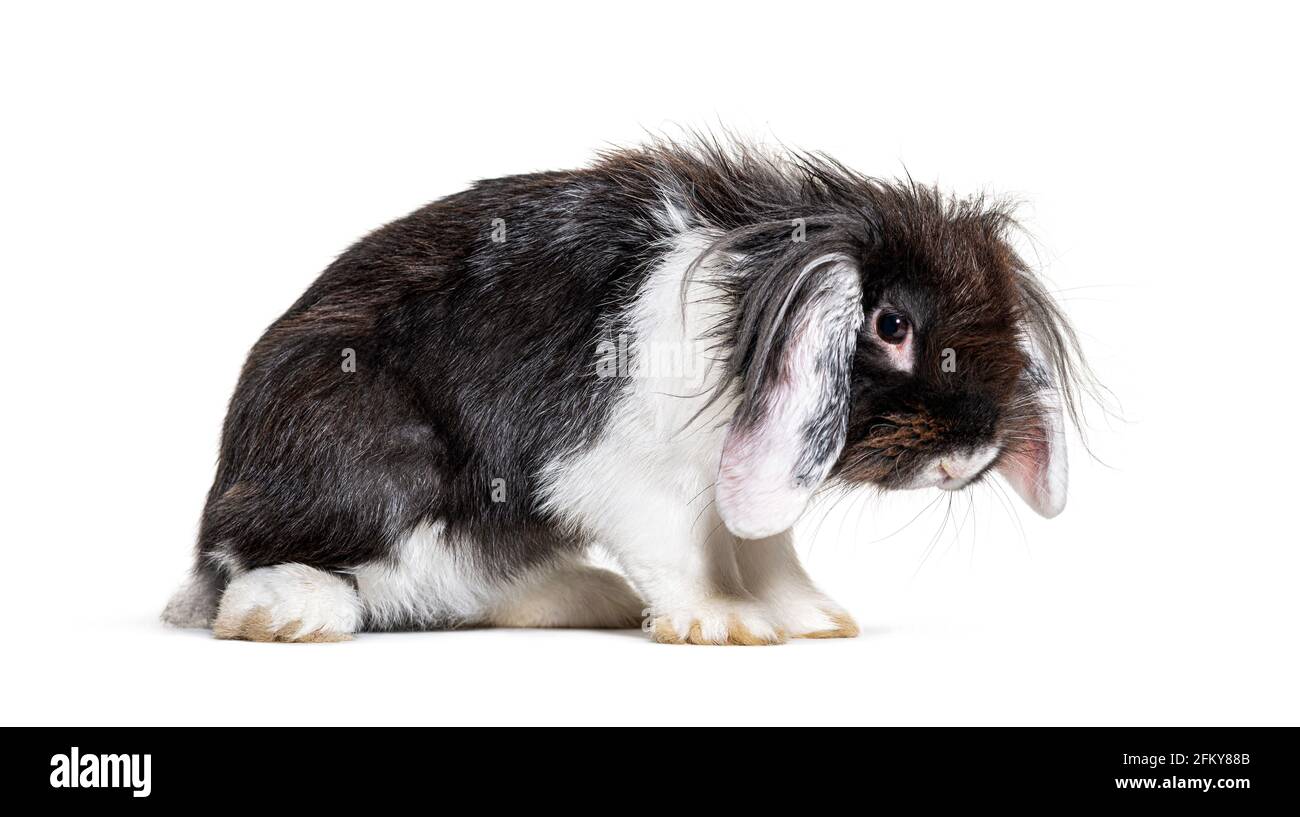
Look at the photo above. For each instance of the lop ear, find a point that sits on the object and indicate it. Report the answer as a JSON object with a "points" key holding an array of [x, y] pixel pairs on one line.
{"points": [[789, 428], [1034, 461]]}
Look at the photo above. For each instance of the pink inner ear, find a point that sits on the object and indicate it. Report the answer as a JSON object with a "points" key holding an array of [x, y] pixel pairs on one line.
{"points": [[1035, 466], [756, 492]]}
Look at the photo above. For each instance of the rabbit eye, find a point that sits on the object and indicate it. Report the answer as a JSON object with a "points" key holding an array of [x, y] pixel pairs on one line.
{"points": [[892, 327]]}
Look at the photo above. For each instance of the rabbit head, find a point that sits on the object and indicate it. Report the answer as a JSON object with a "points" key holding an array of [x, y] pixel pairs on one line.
{"points": [[904, 345]]}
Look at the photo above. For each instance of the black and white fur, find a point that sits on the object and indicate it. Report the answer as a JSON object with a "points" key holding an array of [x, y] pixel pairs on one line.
{"points": [[459, 474]]}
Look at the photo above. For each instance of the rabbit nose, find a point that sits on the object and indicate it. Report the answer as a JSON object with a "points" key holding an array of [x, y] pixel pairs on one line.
{"points": [[954, 469], [957, 470]]}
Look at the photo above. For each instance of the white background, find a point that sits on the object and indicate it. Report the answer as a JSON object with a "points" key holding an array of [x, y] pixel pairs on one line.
{"points": [[173, 177]]}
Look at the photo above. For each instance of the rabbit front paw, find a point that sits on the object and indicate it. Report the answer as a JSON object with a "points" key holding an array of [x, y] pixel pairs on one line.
{"points": [[815, 616], [718, 621]]}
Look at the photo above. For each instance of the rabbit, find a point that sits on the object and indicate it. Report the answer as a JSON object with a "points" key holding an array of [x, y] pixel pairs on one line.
{"points": [[463, 404]]}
